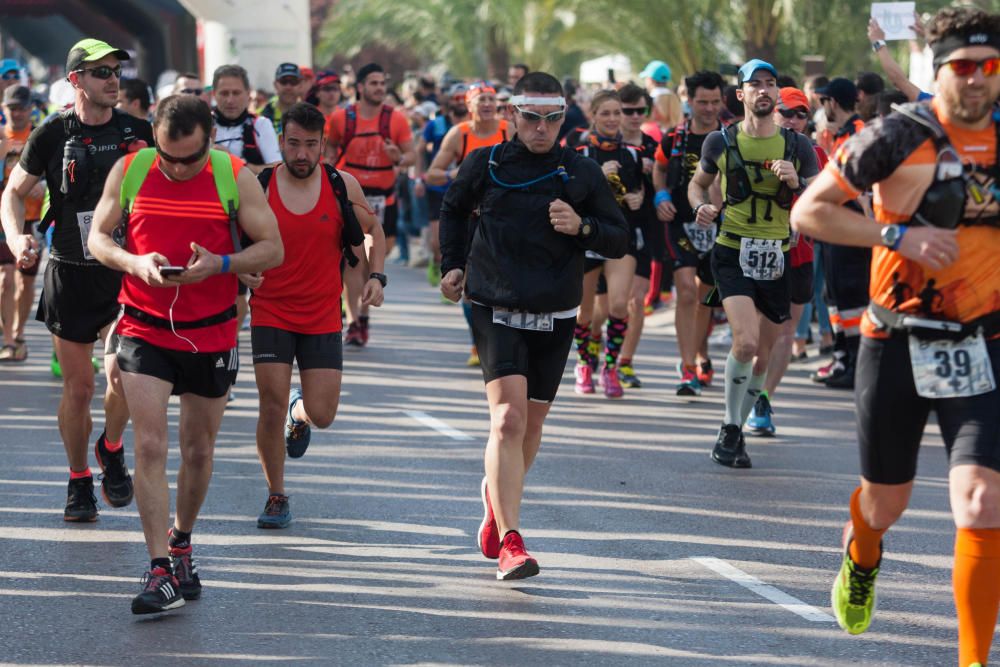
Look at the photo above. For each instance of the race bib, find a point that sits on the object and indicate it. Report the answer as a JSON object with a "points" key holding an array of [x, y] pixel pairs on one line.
{"points": [[951, 369], [762, 259], [702, 238], [83, 221], [377, 204], [518, 319]]}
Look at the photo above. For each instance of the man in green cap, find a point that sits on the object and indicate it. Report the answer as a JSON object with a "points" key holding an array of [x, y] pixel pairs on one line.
{"points": [[79, 300]]}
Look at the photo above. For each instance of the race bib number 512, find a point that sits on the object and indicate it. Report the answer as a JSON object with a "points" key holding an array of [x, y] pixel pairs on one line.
{"points": [[762, 259]]}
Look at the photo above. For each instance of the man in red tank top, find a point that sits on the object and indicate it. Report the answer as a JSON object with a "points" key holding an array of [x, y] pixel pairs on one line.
{"points": [[295, 307], [177, 334]]}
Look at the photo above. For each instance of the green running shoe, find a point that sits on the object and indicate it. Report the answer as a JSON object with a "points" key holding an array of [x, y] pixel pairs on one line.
{"points": [[853, 593], [96, 363], [433, 273], [55, 367]]}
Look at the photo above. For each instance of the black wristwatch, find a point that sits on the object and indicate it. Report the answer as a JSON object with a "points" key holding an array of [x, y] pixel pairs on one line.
{"points": [[379, 277]]}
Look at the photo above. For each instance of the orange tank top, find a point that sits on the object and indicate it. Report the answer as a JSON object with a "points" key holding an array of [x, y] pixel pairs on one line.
{"points": [[471, 141]]}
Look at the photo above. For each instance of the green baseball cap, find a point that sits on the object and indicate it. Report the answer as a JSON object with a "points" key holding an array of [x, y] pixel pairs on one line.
{"points": [[89, 50]]}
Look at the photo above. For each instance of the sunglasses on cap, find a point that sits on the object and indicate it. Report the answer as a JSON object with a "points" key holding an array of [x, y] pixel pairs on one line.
{"points": [[190, 159], [794, 113], [634, 111], [103, 72], [11, 75], [532, 117], [966, 66]]}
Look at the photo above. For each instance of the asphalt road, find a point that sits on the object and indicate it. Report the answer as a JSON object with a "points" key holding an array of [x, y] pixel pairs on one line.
{"points": [[650, 552]]}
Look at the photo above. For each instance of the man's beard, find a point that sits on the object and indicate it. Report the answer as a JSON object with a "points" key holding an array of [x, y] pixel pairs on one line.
{"points": [[762, 112], [300, 171], [960, 111]]}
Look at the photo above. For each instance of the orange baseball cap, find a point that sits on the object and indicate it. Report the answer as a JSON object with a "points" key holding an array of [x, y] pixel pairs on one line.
{"points": [[792, 98]]}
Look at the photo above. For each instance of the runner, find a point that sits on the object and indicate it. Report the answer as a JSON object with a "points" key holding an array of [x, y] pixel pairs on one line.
{"points": [[79, 298], [486, 128], [622, 168], [523, 320], [179, 341], [296, 306], [326, 93], [190, 83], [930, 335], [372, 142], [762, 167], [135, 98], [689, 243], [287, 84]]}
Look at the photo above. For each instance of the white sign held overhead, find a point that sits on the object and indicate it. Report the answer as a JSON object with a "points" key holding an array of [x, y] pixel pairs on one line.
{"points": [[895, 18]]}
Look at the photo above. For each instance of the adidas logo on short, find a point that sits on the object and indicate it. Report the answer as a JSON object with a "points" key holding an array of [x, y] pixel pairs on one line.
{"points": [[219, 363]]}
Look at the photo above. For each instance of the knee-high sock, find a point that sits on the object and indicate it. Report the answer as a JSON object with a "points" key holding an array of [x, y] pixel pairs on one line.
{"points": [[976, 580], [866, 546], [737, 382], [754, 388], [617, 329], [581, 339]]}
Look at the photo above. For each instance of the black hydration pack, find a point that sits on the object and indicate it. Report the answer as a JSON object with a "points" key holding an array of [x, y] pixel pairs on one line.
{"points": [[742, 174]]}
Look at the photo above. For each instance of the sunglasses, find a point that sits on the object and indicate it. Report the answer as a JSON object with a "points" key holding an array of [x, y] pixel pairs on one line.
{"points": [[191, 91], [103, 72], [12, 75], [634, 111], [794, 113], [190, 159], [288, 81], [966, 67], [532, 117]]}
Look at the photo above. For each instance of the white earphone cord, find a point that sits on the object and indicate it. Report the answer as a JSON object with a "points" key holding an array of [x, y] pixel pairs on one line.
{"points": [[170, 312]]}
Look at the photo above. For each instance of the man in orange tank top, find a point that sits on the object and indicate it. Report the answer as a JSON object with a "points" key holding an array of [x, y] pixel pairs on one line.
{"points": [[177, 333], [930, 339], [295, 307]]}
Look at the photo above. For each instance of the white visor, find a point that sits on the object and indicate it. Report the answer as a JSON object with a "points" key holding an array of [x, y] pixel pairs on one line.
{"points": [[522, 100]]}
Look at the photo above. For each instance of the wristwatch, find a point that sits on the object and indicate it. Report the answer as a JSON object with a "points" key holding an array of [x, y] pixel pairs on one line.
{"points": [[877, 44], [892, 235], [379, 277], [586, 228]]}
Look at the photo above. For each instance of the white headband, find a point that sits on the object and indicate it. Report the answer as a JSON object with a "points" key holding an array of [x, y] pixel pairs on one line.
{"points": [[521, 100]]}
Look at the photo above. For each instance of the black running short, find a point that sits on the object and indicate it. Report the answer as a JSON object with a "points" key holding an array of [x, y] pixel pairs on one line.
{"points": [[208, 374], [800, 284], [771, 297], [540, 356], [271, 345], [77, 301], [891, 416]]}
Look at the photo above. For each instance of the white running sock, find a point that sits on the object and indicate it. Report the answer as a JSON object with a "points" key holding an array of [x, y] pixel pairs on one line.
{"points": [[753, 391], [737, 381]]}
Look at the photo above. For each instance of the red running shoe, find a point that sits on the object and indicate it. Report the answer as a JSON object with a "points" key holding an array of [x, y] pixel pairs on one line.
{"points": [[515, 563], [354, 336], [488, 536], [706, 373]]}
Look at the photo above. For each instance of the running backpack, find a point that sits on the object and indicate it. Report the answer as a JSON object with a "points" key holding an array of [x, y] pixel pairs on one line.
{"points": [[351, 124], [739, 182]]}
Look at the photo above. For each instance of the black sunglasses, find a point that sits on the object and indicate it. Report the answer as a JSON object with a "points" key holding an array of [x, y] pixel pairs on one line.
{"points": [[103, 72], [634, 111], [794, 113], [190, 159]]}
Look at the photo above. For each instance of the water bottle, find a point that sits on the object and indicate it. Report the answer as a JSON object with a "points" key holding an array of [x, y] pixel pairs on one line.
{"points": [[74, 158]]}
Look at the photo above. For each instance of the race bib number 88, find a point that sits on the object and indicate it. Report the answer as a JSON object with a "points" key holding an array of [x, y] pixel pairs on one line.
{"points": [[951, 369], [762, 259]]}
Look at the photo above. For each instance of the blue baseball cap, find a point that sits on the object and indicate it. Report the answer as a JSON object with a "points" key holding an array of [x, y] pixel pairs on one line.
{"points": [[657, 70], [8, 64], [746, 72]]}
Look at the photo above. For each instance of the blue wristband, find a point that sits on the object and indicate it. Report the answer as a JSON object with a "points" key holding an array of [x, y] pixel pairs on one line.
{"points": [[902, 232], [225, 264], [662, 196]]}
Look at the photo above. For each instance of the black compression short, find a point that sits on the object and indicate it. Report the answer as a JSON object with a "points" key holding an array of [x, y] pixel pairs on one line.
{"points": [[78, 301], [278, 346], [800, 284], [208, 374], [771, 297]]}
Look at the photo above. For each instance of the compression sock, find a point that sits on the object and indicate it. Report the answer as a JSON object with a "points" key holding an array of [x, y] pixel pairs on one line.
{"points": [[737, 379], [976, 580], [163, 563], [113, 446], [754, 388], [179, 539], [616, 328], [581, 339], [866, 545], [82, 474]]}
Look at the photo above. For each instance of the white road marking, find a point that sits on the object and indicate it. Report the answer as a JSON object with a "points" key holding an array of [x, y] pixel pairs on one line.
{"points": [[766, 591], [438, 425]]}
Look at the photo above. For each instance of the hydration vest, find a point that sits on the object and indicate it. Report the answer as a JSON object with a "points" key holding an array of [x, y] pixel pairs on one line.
{"points": [[742, 174], [351, 131]]}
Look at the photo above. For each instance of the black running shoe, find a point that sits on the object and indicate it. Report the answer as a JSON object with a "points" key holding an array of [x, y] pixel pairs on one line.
{"points": [[116, 483], [186, 572], [81, 505], [731, 449], [160, 592]]}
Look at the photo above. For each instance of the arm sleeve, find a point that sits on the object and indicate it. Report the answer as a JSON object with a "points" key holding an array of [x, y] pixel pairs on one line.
{"points": [[267, 141], [610, 236], [459, 202], [711, 151]]}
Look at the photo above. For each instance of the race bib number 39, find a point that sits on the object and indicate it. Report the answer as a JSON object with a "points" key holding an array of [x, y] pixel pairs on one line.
{"points": [[83, 221], [518, 319], [762, 259], [702, 238], [951, 369], [377, 204]]}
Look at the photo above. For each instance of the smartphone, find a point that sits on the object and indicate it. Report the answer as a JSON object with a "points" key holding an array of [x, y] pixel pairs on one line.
{"points": [[172, 270]]}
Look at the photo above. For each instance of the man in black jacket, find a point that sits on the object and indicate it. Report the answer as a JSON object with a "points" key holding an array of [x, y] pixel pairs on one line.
{"points": [[540, 207]]}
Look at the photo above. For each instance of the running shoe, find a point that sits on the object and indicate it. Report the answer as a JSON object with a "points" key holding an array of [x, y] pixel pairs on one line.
{"points": [[584, 379], [488, 537], [433, 273], [515, 563], [185, 572], [841, 377], [759, 422], [853, 593], [689, 385], [609, 380], [722, 338], [473, 360], [823, 373], [731, 449], [81, 505], [353, 337], [628, 378], [297, 434], [55, 367], [96, 363], [160, 592], [363, 327], [116, 482], [276, 514], [705, 373]]}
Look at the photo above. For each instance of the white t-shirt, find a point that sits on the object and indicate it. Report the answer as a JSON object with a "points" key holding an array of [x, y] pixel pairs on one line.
{"points": [[231, 139]]}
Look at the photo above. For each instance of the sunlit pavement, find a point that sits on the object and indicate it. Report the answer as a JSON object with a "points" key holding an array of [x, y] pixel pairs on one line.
{"points": [[650, 552]]}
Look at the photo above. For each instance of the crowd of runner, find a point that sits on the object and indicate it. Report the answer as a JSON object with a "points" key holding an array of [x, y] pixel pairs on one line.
{"points": [[559, 217]]}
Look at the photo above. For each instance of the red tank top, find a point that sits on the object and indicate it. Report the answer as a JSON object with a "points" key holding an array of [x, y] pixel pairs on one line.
{"points": [[303, 294], [470, 141], [166, 218]]}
